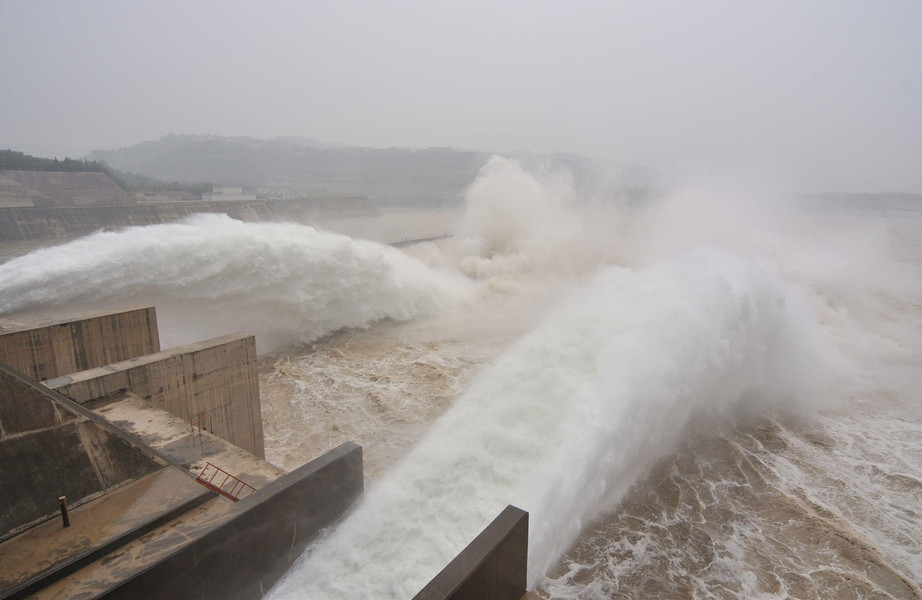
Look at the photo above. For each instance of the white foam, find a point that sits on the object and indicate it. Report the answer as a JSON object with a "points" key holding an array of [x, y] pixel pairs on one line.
{"points": [[563, 422], [210, 274]]}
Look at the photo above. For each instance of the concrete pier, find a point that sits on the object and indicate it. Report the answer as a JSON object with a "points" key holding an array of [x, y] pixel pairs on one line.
{"points": [[492, 567], [143, 521], [62, 347], [117, 440], [190, 447], [49, 449], [224, 550], [217, 377]]}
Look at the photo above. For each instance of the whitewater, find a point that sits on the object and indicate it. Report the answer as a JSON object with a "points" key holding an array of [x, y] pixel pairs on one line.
{"points": [[210, 274], [702, 398]]}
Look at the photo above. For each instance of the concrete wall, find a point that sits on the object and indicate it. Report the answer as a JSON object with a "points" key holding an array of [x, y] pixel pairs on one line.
{"points": [[492, 567], [48, 450], [27, 223], [243, 558], [82, 343], [217, 376], [13, 193]]}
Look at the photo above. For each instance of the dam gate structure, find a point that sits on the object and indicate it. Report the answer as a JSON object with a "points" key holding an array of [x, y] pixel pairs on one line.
{"points": [[142, 522], [147, 447]]}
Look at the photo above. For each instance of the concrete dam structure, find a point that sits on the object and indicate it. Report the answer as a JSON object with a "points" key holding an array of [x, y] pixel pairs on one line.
{"points": [[59, 188], [159, 504], [36, 205], [134, 472]]}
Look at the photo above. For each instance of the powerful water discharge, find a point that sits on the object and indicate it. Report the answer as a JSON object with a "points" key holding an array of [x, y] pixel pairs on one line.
{"points": [[210, 274], [700, 398]]}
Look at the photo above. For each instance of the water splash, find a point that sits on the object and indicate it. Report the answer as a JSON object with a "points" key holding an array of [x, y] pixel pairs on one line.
{"points": [[210, 274], [564, 421]]}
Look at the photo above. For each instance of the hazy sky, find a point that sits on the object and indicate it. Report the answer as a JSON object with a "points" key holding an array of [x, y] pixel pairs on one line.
{"points": [[824, 95]]}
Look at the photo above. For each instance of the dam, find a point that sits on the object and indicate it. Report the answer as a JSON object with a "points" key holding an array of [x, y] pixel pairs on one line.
{"points": [[619, 335], [153, 460], [43, 205]]}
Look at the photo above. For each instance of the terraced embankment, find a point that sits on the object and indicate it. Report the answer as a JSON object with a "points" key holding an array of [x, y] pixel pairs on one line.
{"points": [[56, 222]]}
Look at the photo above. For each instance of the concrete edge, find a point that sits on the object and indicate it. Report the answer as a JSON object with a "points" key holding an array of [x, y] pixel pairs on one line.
{"points": [[264, 494], [77, 319], [147, 359], [473, 562], [77, 409], [76, 563]]}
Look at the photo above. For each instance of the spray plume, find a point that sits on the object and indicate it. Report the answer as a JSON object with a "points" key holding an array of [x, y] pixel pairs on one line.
{"points": [[210, 274]]}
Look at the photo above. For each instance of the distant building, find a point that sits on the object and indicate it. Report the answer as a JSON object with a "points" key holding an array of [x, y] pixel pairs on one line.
{"points": [[223, 192]]}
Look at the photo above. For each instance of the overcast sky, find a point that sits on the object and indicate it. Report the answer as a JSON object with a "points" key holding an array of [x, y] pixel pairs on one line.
{"points": [[825, 95]]}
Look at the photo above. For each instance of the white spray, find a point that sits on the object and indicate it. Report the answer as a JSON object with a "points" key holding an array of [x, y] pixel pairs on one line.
{"points": [[564, 421], [209, 275], [560, 425]]}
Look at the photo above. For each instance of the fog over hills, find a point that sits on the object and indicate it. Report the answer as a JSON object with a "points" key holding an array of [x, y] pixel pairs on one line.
{"points": [[393, 176]]}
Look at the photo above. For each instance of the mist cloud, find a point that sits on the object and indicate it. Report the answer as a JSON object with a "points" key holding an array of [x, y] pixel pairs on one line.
{"points": [[825, 94]]}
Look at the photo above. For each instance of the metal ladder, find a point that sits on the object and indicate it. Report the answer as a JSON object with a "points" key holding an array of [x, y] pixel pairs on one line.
{"points": [[211, 473]]}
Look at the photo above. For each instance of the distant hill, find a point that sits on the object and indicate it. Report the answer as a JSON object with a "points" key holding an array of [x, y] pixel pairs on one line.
{"points": [[431, 176], [11, 160], [389, 177]]}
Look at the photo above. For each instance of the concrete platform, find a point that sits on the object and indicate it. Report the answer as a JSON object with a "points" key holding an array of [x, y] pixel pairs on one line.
{"points": [[96, 578], [96, 528], [217, 376], [175, 438], [225, 550]]}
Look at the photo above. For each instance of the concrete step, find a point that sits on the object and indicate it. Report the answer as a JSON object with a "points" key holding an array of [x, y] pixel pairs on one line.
{"points": [[176, 438]]}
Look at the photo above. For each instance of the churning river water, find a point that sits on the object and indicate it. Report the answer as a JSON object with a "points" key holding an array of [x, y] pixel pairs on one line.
{"points": [[712, 397]]}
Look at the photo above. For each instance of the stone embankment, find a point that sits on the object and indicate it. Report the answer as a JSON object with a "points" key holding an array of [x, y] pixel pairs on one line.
{"points": [[61, 222], [57, 188]]}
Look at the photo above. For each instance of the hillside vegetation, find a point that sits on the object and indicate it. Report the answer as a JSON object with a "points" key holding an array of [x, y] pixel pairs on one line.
{"points": [[10, 160]]}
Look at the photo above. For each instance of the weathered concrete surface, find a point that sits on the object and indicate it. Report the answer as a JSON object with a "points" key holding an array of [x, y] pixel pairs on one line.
{"points": [[492, 567], [49, 351], [48, 552], [26, 223], [187, 446], [13, 193], [69, 188], [50, 448], [224, 550], [217, 376]]}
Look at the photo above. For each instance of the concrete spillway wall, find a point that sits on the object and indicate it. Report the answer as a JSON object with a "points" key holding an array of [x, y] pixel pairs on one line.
{"points": [[217, 377], [244, 557], [48, 449], [56, 222], [82, 343], [492, 567]]}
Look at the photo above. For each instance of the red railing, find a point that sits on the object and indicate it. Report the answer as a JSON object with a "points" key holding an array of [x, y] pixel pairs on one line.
{"points": [[211, 473]]}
